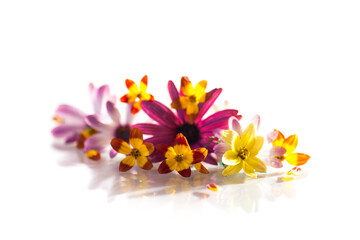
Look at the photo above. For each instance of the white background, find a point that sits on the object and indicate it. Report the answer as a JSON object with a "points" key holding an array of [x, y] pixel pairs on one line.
{"points": [[296, 63]]}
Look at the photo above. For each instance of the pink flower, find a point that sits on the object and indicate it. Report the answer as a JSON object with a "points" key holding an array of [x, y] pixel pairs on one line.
{"points": [[107, 131], [72, 125], [170, 124]]}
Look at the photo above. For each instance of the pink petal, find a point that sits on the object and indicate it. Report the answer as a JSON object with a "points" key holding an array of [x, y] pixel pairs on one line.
{"points": [[218, 120], [256, 121], [72, 138], [97, 142], [277, 151], [65, 111], [272, 136], [160, 113], [234, 125], [113, 112], [221, 148], [174, 94], [207, 105], [66, 130], [113, 153], [93, 121], [101, 94], [153, 129]]}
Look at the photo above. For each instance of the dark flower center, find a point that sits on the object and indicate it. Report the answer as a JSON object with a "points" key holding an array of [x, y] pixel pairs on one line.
{"points": [[190, 131], [123, 132]]}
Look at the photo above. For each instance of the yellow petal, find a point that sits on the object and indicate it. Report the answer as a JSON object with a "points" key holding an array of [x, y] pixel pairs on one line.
{"points": [[192, 108], [259, 141], [144, 163], [229, 136], [188, 157], [136, 138], [133, 89], [249, 170], [186, 87], [236, 146], [290, 143], [247, 137], [231, 170], [200, 90], [256, 164], [231, 158], [297, 159], [182, 165], [143, 84], [171, 162], [279, 139]]}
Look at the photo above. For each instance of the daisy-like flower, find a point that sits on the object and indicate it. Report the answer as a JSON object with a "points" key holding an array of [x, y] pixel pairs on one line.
{"points": [[283, 149], [99, 142], [170, 124], [242, 154], [139, 151], [72, 125], [180, 157], [191, 97], [135, 96]]}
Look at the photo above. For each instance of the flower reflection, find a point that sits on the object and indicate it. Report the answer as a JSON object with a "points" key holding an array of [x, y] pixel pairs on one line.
{"points": [[148, 188]]}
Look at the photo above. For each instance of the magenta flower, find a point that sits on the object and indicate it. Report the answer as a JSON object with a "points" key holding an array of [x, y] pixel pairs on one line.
{"points": [[107, 131], [170, 124], [72, 125]]}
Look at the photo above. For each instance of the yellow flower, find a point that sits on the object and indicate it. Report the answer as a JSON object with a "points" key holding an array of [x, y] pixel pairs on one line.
{"points": [[289, 144], [139, 151], [134, 94], [242, 154], [192, 96]]}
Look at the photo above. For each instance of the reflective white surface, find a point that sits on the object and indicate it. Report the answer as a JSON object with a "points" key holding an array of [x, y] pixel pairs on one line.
{"points": [[296, 64]]}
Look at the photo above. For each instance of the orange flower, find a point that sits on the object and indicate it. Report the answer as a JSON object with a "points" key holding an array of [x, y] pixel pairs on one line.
{"points": [[139, 151], [135, 96], [289, 144], [180, 157]]}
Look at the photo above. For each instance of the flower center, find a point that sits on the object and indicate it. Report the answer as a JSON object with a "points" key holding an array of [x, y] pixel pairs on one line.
{"points": [[190, 131], [179, 158], [135, 153], [243, 153], [281, 158], [192, 99], [123, 132]]}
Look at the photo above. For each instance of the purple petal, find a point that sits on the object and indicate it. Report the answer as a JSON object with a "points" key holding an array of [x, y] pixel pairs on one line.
{"points": [[218, 120], [160, 113], [66, 111], [165, 139], [113, 153], [97, 142], [221, 148], [93, 121], [66, 130], [210, 159], [174, 94], [101, 94], [207, 105], [113, 112], [154, 129], [72, 138], [156, 157], [234, 125]]}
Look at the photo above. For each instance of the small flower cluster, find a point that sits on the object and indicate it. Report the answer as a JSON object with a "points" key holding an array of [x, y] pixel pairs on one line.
{"points": [[180, 139]]}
